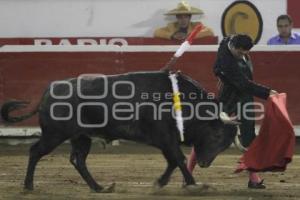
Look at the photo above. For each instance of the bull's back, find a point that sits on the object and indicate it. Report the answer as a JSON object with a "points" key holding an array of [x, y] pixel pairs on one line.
{"points": [[119, 103]]}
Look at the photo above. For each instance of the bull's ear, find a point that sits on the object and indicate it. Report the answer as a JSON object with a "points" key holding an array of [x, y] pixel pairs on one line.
{"points": [[226, 119]]}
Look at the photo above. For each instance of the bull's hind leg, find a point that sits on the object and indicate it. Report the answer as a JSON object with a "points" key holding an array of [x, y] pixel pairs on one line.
{"points": [[44, 146], [80, 150]]}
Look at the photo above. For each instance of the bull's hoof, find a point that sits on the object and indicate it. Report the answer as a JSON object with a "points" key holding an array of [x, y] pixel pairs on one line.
{"points": [[157, 185], [28, 187], [27, 191], [107, 189], [198, 188]]}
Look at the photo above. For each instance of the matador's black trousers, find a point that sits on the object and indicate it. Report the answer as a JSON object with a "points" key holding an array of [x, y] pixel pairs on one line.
{"points": [[235, 103]]}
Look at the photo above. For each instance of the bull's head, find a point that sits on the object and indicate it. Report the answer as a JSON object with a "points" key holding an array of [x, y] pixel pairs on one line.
{"points": [[214, 138]]}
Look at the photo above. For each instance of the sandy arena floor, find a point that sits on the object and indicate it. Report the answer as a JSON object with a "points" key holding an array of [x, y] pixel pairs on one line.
{"points": [[134, 167]]}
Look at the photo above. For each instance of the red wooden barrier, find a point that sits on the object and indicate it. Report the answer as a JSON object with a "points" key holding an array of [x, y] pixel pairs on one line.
{"points": [[26, 75]]}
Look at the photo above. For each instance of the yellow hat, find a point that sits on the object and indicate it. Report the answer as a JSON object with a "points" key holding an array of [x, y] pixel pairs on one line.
{"points": [[184, 8], [242, 17]]}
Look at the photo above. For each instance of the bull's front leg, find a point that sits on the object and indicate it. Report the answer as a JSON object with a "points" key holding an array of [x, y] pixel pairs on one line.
{"points": [[181, 161], [171, 165], [174, 157]]}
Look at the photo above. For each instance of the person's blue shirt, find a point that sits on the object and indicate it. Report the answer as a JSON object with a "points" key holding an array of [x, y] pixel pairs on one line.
{"points": [[277, 40]]}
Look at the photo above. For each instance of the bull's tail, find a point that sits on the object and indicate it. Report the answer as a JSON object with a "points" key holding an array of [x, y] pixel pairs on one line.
{"points": [[12, 105]]}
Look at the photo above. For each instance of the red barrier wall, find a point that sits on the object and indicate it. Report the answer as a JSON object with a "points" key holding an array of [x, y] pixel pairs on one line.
{"points": [[105, 41], [293, 10], [26, 75]]}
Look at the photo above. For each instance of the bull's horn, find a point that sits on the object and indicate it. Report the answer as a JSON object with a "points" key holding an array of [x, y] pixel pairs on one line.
{"points": [[238, 143], [226, 119]]}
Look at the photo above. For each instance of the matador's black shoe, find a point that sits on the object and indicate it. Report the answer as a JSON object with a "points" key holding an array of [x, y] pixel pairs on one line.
{"points": [[254, 185]]}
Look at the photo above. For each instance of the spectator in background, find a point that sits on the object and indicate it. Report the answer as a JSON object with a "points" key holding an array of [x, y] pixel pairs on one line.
{"points": [[285, 36], [180, 29]]}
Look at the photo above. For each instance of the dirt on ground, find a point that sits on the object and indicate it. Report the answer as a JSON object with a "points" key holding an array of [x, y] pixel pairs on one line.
{"points": [[134, 168]]}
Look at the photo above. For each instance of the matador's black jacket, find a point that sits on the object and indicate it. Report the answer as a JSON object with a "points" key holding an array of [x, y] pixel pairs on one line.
{"points": [[237, 80], [238, 88]]}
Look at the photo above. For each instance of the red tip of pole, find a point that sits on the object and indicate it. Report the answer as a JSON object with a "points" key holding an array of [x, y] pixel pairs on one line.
{"points": [[193, 34]]}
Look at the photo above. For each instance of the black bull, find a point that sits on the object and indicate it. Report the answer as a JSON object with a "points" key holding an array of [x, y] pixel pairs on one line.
{"points": [[125, 106]]}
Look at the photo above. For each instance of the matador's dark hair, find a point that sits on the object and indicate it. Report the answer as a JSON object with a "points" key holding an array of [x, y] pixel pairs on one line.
{"points": [[241, 41]]}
